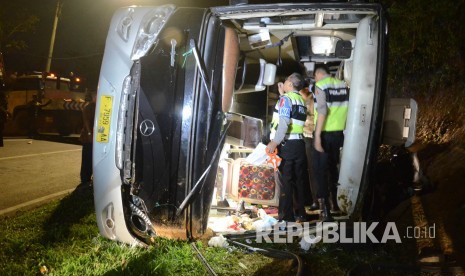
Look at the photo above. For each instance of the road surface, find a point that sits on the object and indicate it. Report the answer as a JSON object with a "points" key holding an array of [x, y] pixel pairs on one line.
{"points": [[33, 172]]}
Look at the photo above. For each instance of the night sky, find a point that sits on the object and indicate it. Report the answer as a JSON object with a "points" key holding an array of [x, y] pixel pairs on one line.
{"points": [[80, 35]]}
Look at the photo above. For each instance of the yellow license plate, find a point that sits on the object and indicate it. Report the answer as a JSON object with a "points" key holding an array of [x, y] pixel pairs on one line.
{"points": [[103, 127]]}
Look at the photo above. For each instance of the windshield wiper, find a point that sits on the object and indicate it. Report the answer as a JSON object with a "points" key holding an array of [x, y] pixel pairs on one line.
{"points": [[201, 65]]}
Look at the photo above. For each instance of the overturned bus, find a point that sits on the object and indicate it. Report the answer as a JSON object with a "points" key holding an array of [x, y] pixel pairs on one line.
{"points": [[186, 93]]}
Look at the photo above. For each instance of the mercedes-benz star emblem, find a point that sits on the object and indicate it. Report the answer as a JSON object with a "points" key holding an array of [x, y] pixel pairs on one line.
{"points": [[146, 127]]}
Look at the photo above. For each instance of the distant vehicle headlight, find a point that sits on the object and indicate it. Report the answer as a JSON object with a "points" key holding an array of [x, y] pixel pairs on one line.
{"points": [[149, 29]]}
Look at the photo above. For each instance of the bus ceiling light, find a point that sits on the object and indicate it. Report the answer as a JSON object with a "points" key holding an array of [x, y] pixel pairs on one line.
{"points": [[149, 29]]}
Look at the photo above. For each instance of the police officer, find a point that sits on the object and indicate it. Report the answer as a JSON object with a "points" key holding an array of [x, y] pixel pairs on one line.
{"points": [[331, 106], [287, 137], [87, 140], [309, 127]]}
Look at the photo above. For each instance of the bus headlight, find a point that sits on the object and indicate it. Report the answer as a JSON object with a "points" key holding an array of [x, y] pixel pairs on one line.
{"points": [[149, 29]]}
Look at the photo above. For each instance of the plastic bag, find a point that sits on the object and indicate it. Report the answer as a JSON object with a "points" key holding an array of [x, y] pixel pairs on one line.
{"points": [[258, 156], [218, 241], [266, 222]]}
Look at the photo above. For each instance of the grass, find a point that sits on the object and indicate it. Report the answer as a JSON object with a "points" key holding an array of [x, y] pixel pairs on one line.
{"points": [[441, 116], [61, 238]]}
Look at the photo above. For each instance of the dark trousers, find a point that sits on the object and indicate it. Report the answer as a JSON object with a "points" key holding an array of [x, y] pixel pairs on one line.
{"points": [[86, 163], [325, 163], [294, 177], [310, 190]]}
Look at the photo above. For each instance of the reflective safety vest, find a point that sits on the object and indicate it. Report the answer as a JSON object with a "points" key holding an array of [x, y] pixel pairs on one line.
{"points": [[274, 120], [298, 117], [337, 101]]}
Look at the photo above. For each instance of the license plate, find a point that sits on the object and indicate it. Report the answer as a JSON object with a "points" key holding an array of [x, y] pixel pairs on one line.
{"points": [[103, 126]]}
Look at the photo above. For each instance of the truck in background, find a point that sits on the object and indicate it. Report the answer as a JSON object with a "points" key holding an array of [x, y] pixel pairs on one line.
{"points": [[44, 103]]}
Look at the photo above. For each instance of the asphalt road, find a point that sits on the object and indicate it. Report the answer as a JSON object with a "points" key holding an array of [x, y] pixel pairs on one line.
{"points": [[36, 171]]}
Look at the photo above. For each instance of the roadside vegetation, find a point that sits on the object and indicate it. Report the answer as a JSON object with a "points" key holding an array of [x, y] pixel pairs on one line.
{"points": [[61, 238], [427, 63]]}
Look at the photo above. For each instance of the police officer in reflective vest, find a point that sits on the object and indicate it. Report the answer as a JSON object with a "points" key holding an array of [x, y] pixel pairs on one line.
{"points": [[286, 135], [331, 106]]}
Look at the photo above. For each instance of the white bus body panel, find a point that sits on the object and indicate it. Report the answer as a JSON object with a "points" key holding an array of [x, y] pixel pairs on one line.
{"points": [[116, 66], [358, 127]]}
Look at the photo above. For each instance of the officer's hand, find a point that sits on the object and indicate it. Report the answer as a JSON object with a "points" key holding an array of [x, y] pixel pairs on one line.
{"points": [[271, 146], [317, 143]]}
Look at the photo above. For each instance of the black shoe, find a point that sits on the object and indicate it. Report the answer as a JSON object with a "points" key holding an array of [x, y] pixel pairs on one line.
{"points": [[325, 214]]}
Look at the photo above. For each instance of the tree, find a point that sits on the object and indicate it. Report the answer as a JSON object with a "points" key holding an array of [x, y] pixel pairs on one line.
{"points": [[15, 20]]}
